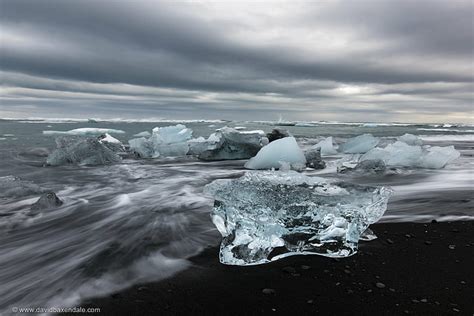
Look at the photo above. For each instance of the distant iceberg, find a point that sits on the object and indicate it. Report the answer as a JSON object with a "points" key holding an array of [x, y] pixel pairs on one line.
{"points": [[86, 131], [265, 216]]}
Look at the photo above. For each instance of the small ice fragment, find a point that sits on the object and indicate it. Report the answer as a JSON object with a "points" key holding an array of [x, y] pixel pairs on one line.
{"points": [[411, 139], [327, 147]]}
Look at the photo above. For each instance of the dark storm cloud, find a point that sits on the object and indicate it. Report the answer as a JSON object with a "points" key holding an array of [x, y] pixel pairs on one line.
{"points": [[209, 57]]}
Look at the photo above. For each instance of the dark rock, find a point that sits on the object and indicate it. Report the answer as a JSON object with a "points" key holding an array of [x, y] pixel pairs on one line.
{"points": [[380, 285], [268, 291], [289, 270], [277, 133], [373, 166], [427, 242], [46, 201], [313, 158], [389, 241], [305, 267]]}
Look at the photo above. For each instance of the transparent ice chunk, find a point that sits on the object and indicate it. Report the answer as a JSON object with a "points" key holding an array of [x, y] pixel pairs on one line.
{"points": [[84, 151], [228, 144], [168, 141], [11, 186], [360, 144], [410, 139], [264, 216]]}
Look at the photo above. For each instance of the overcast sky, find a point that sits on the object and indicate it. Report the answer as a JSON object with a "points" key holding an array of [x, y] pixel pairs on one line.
{"points": [[368, 60]]}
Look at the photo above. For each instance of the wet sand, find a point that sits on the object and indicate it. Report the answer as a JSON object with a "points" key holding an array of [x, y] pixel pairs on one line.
{"points": [[413, 269]]}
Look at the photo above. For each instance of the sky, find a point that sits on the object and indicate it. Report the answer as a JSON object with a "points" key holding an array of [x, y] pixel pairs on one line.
{"points": [[357, 61]]}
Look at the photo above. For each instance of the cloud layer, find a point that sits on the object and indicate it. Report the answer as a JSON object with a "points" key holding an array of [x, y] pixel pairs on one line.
{"points": [[327, 60]]}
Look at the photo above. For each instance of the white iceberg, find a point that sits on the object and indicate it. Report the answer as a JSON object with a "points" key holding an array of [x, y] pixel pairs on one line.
{"points": [[169, 141], [327, 147], [283, 150], [265, 216], [86, 131], [400, 154], [360, 144], [111, 142], [411, 139], [106, 138]]}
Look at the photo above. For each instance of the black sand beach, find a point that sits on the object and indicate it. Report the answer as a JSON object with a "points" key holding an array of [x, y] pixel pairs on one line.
{"points": [[414, 269]]}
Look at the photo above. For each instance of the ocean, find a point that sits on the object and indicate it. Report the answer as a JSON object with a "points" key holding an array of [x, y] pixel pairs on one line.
{"points": [[141, 219]]}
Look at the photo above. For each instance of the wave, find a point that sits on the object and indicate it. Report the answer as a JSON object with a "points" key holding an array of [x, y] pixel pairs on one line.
{"points": [[39, 120], [451, 138], [446, 130]]}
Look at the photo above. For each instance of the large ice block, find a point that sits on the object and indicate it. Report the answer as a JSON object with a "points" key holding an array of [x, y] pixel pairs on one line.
{"points": [[264, 216], [360, 144], [400, 154], [277, 153]]}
